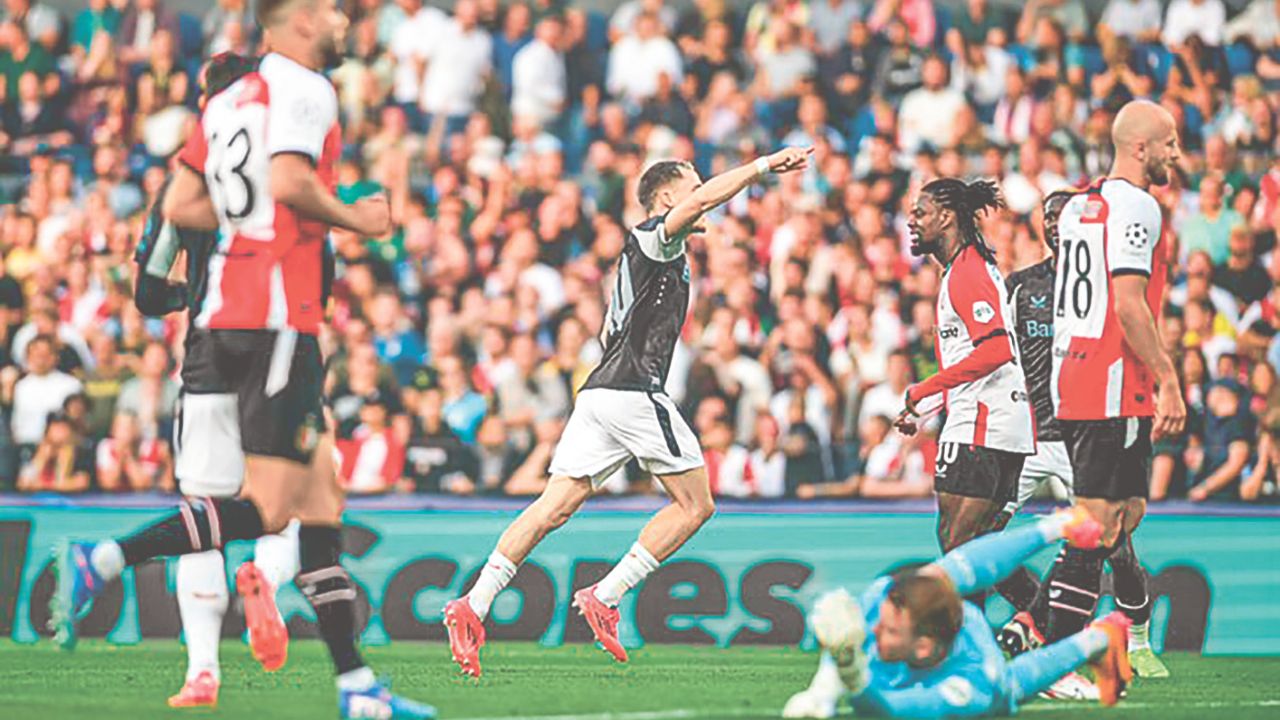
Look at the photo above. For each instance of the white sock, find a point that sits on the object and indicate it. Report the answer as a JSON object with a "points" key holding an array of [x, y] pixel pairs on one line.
{"points": [[202, 601], [107, 559], [630, 570], [277, 555], [1140, 636], [497, 572], [357, 680]]}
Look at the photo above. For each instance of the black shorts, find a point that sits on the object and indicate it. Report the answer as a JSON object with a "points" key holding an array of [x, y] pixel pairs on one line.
{"points": [[1111, 459], [278, 381], [978, 472]]}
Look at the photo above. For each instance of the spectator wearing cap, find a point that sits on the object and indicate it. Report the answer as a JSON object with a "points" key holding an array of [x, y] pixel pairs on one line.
{"points": [[59, 463], [38, 393], [372, 458], [538, 78], [638, 58], [928, 113], [1205, 19], [127, 461]]}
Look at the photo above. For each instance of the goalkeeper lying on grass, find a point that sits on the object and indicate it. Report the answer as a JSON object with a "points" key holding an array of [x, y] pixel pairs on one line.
{"points": [[930, 654]]}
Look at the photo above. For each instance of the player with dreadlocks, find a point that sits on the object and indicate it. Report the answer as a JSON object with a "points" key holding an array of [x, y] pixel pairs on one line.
{"points": [[988, 431]]}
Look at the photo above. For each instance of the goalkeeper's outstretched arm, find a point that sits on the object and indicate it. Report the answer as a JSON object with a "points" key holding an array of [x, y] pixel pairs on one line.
{"points": [[982, 562]]}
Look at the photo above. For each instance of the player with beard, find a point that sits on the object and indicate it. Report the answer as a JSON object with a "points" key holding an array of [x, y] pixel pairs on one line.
{"points": [[1032, 289], [988, 429], [209, 462], [260, 170], [1114, 388]]}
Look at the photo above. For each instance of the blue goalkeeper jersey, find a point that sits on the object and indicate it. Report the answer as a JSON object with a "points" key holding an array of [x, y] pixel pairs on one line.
{"points": [[971, 680]]}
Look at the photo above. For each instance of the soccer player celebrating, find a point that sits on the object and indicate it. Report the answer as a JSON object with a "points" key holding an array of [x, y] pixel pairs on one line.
{"points": [[623, 412], [988, 429], [931, 654], [1110, 373], [209, 459], [260, 170]]}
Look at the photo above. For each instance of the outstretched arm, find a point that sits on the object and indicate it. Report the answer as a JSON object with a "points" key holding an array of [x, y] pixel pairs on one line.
{"points": [[721, 188], [981, 563]]}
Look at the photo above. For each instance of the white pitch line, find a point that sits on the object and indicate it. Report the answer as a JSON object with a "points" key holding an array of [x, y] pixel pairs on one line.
{"points": [[685, 714], [1122, 705]]}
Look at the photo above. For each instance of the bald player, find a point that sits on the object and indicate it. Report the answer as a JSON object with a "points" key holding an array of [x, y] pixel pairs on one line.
{"points": [[1114, 387]]}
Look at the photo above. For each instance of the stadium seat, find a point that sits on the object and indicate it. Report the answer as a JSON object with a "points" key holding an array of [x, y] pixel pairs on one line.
{"points": [[190, 36], [1159, 60], [597, 31], [1091, 59], [1240, 59]]}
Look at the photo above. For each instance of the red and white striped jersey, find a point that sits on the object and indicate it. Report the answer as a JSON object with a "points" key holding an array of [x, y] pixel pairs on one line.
{"points": [[973, 308], [268, 270], [1110, 229]]}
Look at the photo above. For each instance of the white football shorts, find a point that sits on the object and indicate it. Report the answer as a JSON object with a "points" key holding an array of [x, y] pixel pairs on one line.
{"points": [[609, 427], [1051, 464]]}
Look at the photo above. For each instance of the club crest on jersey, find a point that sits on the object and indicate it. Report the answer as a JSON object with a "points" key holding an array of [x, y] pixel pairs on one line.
{"points": [[1039, 302], [983, 312], [1136, 236], [1093, 209], [686, 272]]}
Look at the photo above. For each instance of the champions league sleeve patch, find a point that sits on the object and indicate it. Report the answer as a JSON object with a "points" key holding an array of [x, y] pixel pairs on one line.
{"points": [[1136, 236], [983, 312]]}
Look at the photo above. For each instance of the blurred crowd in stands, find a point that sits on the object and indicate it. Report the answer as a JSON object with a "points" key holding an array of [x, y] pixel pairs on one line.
{"points": [[509, 137]]}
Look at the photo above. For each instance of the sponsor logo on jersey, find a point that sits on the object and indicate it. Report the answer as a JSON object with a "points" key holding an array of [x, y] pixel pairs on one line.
{"points": [[1037, 329], [983, 312], [1019, 396], [948, 332], [1093, 209]]}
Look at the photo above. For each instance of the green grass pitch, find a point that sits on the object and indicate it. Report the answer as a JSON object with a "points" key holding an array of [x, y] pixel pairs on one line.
{"points": [[105, 682]]}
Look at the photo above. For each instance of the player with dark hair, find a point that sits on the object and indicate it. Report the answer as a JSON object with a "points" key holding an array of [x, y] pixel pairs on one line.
{"points": [[988, 429], [260, 170], [623, 411], [931, 654]]}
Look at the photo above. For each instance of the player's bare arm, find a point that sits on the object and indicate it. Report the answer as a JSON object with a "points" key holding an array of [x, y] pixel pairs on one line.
{"points": [[1140, 333], [187, 203], [294, 182], [721, 188]]}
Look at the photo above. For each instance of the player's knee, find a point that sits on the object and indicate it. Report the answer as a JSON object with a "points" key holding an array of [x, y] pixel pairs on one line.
{"points": [[700, 510]]}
